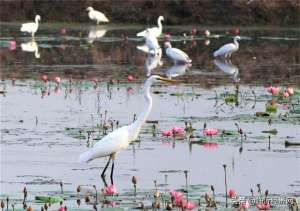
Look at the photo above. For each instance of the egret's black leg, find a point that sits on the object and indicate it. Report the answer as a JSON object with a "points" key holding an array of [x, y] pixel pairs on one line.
{"points": [[103, 172], [112, 172], [104, 181]]}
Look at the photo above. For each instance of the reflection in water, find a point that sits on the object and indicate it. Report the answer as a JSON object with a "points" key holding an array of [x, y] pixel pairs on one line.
{"points": [[96, 32], [31, 46], [228, 68], [177, 70], [153, 61]]}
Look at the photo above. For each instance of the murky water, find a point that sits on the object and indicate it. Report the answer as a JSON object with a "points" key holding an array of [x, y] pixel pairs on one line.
{"points": [[40, 122]]}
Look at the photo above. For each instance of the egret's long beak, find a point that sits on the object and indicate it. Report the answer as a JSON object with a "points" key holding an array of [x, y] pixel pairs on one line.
{"points": [[169, 81]]}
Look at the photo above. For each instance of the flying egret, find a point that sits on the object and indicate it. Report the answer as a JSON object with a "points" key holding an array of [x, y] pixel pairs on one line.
{"points": [[31, 46], [177, 55], [96, 15], [119, 139], [228, 68], [31, 27], [228, 49], [155, 31]]}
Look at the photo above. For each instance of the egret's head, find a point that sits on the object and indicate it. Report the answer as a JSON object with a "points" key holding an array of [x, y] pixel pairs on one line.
{"points": [[89, 9], [237, 38], [168, 45], [159, 79], [161, 18], [37, 18]]}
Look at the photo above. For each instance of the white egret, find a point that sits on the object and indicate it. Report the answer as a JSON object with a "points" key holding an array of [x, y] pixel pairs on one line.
{"points": [[177, 55], [96, 15], [228, 68], [95, 33], [153, 61], [31, 46], [177, 70], [119, 139], [228, 49], [151, 46], [31, 27], [155, 31]]}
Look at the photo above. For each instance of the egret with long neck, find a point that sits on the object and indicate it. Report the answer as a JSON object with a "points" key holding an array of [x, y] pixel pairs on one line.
{"points": [[228, 49], [119, 139], [154, 31], [31, 27]]}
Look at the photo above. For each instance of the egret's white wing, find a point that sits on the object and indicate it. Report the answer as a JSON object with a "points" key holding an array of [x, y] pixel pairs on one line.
{"points": [[143, 48], [228, 48], [177, 54], [109, 144], [100, 16], [154, 31], [28, 27]]}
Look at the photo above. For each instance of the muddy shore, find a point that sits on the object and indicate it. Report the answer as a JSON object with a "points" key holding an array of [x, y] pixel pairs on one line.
{"points": [[206, 12]]}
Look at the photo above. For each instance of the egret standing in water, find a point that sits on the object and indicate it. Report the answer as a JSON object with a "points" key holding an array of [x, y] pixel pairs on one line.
{"points": [[31, 27], [155, 31], [177, 55], [151, 46], [119, 139], [228, 49], [96, 15]]}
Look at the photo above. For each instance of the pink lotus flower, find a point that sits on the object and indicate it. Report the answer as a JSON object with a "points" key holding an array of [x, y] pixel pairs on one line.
{"points": [[61, 208], [57, 90], [206, 32], [130, 90], [167, 133], [179, 131], [263, 206], [285, 106], [194, 31], [45, 78], [63, 30], [57, 79], [12, 45], [232, 193], [210, 131], [110, 190], [189, 205], [210, 145], [178, 201], [206, 42], [286, 94], [130, 78], [176, 194], [273, 90], [235, 31], [174, 131], [290, 90], [244, 204]]}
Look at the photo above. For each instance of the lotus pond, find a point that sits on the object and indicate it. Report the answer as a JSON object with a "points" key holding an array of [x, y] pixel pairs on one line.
{"points": [[46, 125]]}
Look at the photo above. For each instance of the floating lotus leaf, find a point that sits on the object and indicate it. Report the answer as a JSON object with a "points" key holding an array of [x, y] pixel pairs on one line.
{"points": [[48, 199]]}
